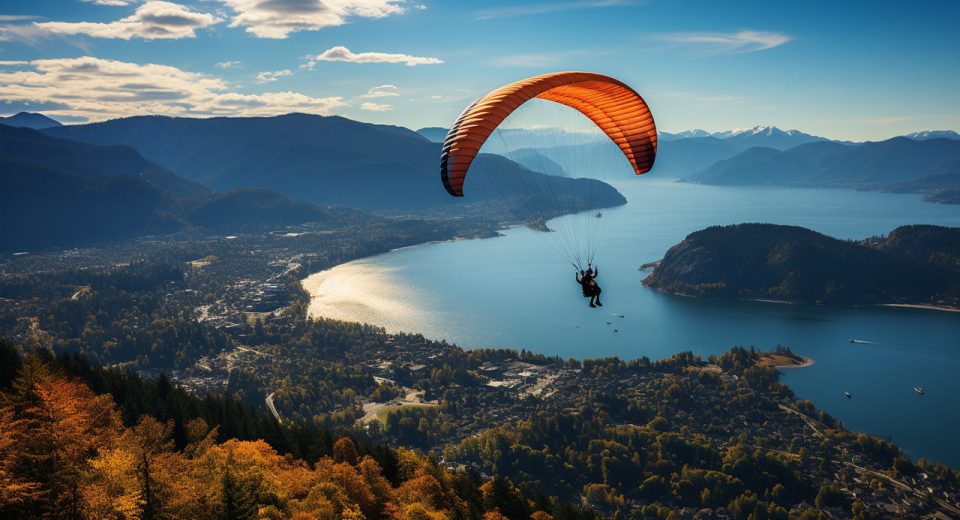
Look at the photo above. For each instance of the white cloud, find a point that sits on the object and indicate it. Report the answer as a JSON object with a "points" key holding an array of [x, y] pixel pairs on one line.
{"points": [[26, 33], [279, 18], [553, 7], [728, 43], [228, 64], [266, 77], [340, 53], [91, 88], [382, 91], [154, 20], [376, 107]]}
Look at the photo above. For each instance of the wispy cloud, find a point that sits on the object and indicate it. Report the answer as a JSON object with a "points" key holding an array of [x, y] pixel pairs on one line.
{"points": [[340, 53], [267, 77], [17, 17], [90, 88], [543, 59], [154, 20], [727, 43], [225, 65], [698, 99], [381, 91], [279, 18], [25, 33], [376, 107], [109, 2], [553, 7]]}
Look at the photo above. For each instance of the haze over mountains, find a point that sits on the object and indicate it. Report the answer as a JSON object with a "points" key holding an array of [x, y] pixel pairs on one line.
{"points": [[56, 192], [153, 174], [314, 159], [925, 162], [928, 166]]}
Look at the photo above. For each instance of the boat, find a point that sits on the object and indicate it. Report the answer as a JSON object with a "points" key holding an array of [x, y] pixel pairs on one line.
{"points": [[919, 390], [848, 395]]}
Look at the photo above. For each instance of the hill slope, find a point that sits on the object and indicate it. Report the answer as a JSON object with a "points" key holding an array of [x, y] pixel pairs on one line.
{"points": [[314, 159], [29, 120], [898, 164], [433, 133], [61, 193], [915, 264]]}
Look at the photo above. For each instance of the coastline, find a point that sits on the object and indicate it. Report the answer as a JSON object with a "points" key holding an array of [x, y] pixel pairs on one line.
{"points": [[806, 363], [922, 306], [778, 361]]}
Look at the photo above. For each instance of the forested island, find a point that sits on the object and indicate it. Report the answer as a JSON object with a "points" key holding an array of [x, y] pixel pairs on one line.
{"points": [[913, 265]]}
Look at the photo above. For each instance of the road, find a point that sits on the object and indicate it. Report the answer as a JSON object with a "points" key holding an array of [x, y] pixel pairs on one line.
{"points": [[273, 409]]}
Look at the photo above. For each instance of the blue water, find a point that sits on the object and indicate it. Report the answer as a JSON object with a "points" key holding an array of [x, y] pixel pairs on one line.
{"points": [[515, 291]]}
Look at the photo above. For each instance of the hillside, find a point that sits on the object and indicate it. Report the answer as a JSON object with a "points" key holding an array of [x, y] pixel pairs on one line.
{"points": [[40, 207], [88, 160], [314, 159], [433, 133], [915, 264], [685, 156], [62, 193], [29, 120], [898, 164]]}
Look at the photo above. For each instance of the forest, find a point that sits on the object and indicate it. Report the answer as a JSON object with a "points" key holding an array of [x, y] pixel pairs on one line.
{"points": [[70, 451]]}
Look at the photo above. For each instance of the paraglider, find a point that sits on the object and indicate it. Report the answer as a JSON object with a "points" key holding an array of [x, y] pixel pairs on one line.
{"points": [[612, 105], [588, 282], [624, 128]]}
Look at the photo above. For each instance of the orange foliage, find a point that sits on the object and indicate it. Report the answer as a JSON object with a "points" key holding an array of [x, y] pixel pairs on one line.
{"points": [[64, 452]]}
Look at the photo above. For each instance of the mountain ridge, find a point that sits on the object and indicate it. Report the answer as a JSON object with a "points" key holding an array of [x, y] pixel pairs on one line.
{"points": [[315, 159], [927, 166], [33, 120]]}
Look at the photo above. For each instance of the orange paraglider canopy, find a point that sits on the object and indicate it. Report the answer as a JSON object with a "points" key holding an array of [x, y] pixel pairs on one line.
{"points": [[612, 105]]}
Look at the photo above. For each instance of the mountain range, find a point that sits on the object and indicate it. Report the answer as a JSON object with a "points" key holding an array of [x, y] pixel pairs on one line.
{"points": [[67, 185], [62, 193], [929, 166], [72, 185], [314, 159], [744, 138]]}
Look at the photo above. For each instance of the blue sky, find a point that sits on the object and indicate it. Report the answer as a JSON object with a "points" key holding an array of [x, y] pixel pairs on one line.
{"points": [[846, 70]]}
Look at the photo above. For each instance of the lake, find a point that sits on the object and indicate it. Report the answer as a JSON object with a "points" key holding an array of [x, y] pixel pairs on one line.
{"points": [[515, 291]]}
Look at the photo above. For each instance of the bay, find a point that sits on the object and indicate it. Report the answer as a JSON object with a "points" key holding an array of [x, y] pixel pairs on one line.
{"points": [[515, 291]]}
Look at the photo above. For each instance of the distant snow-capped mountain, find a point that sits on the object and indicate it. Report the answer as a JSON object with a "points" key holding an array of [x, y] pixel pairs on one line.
{"points": [[767, 136], [686, 134], [933, 134], [766, 131]]}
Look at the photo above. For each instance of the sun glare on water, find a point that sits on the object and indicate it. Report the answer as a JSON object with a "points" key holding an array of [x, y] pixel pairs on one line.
{"points": [[358, 291]]}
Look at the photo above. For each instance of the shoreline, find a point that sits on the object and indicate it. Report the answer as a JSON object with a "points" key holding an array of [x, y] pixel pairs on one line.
{"points": [[778, 361], [806, 363], [922, 306]]}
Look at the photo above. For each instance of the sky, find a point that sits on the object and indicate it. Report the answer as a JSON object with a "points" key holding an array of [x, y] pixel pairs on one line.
{"points": [[853, 70]]}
